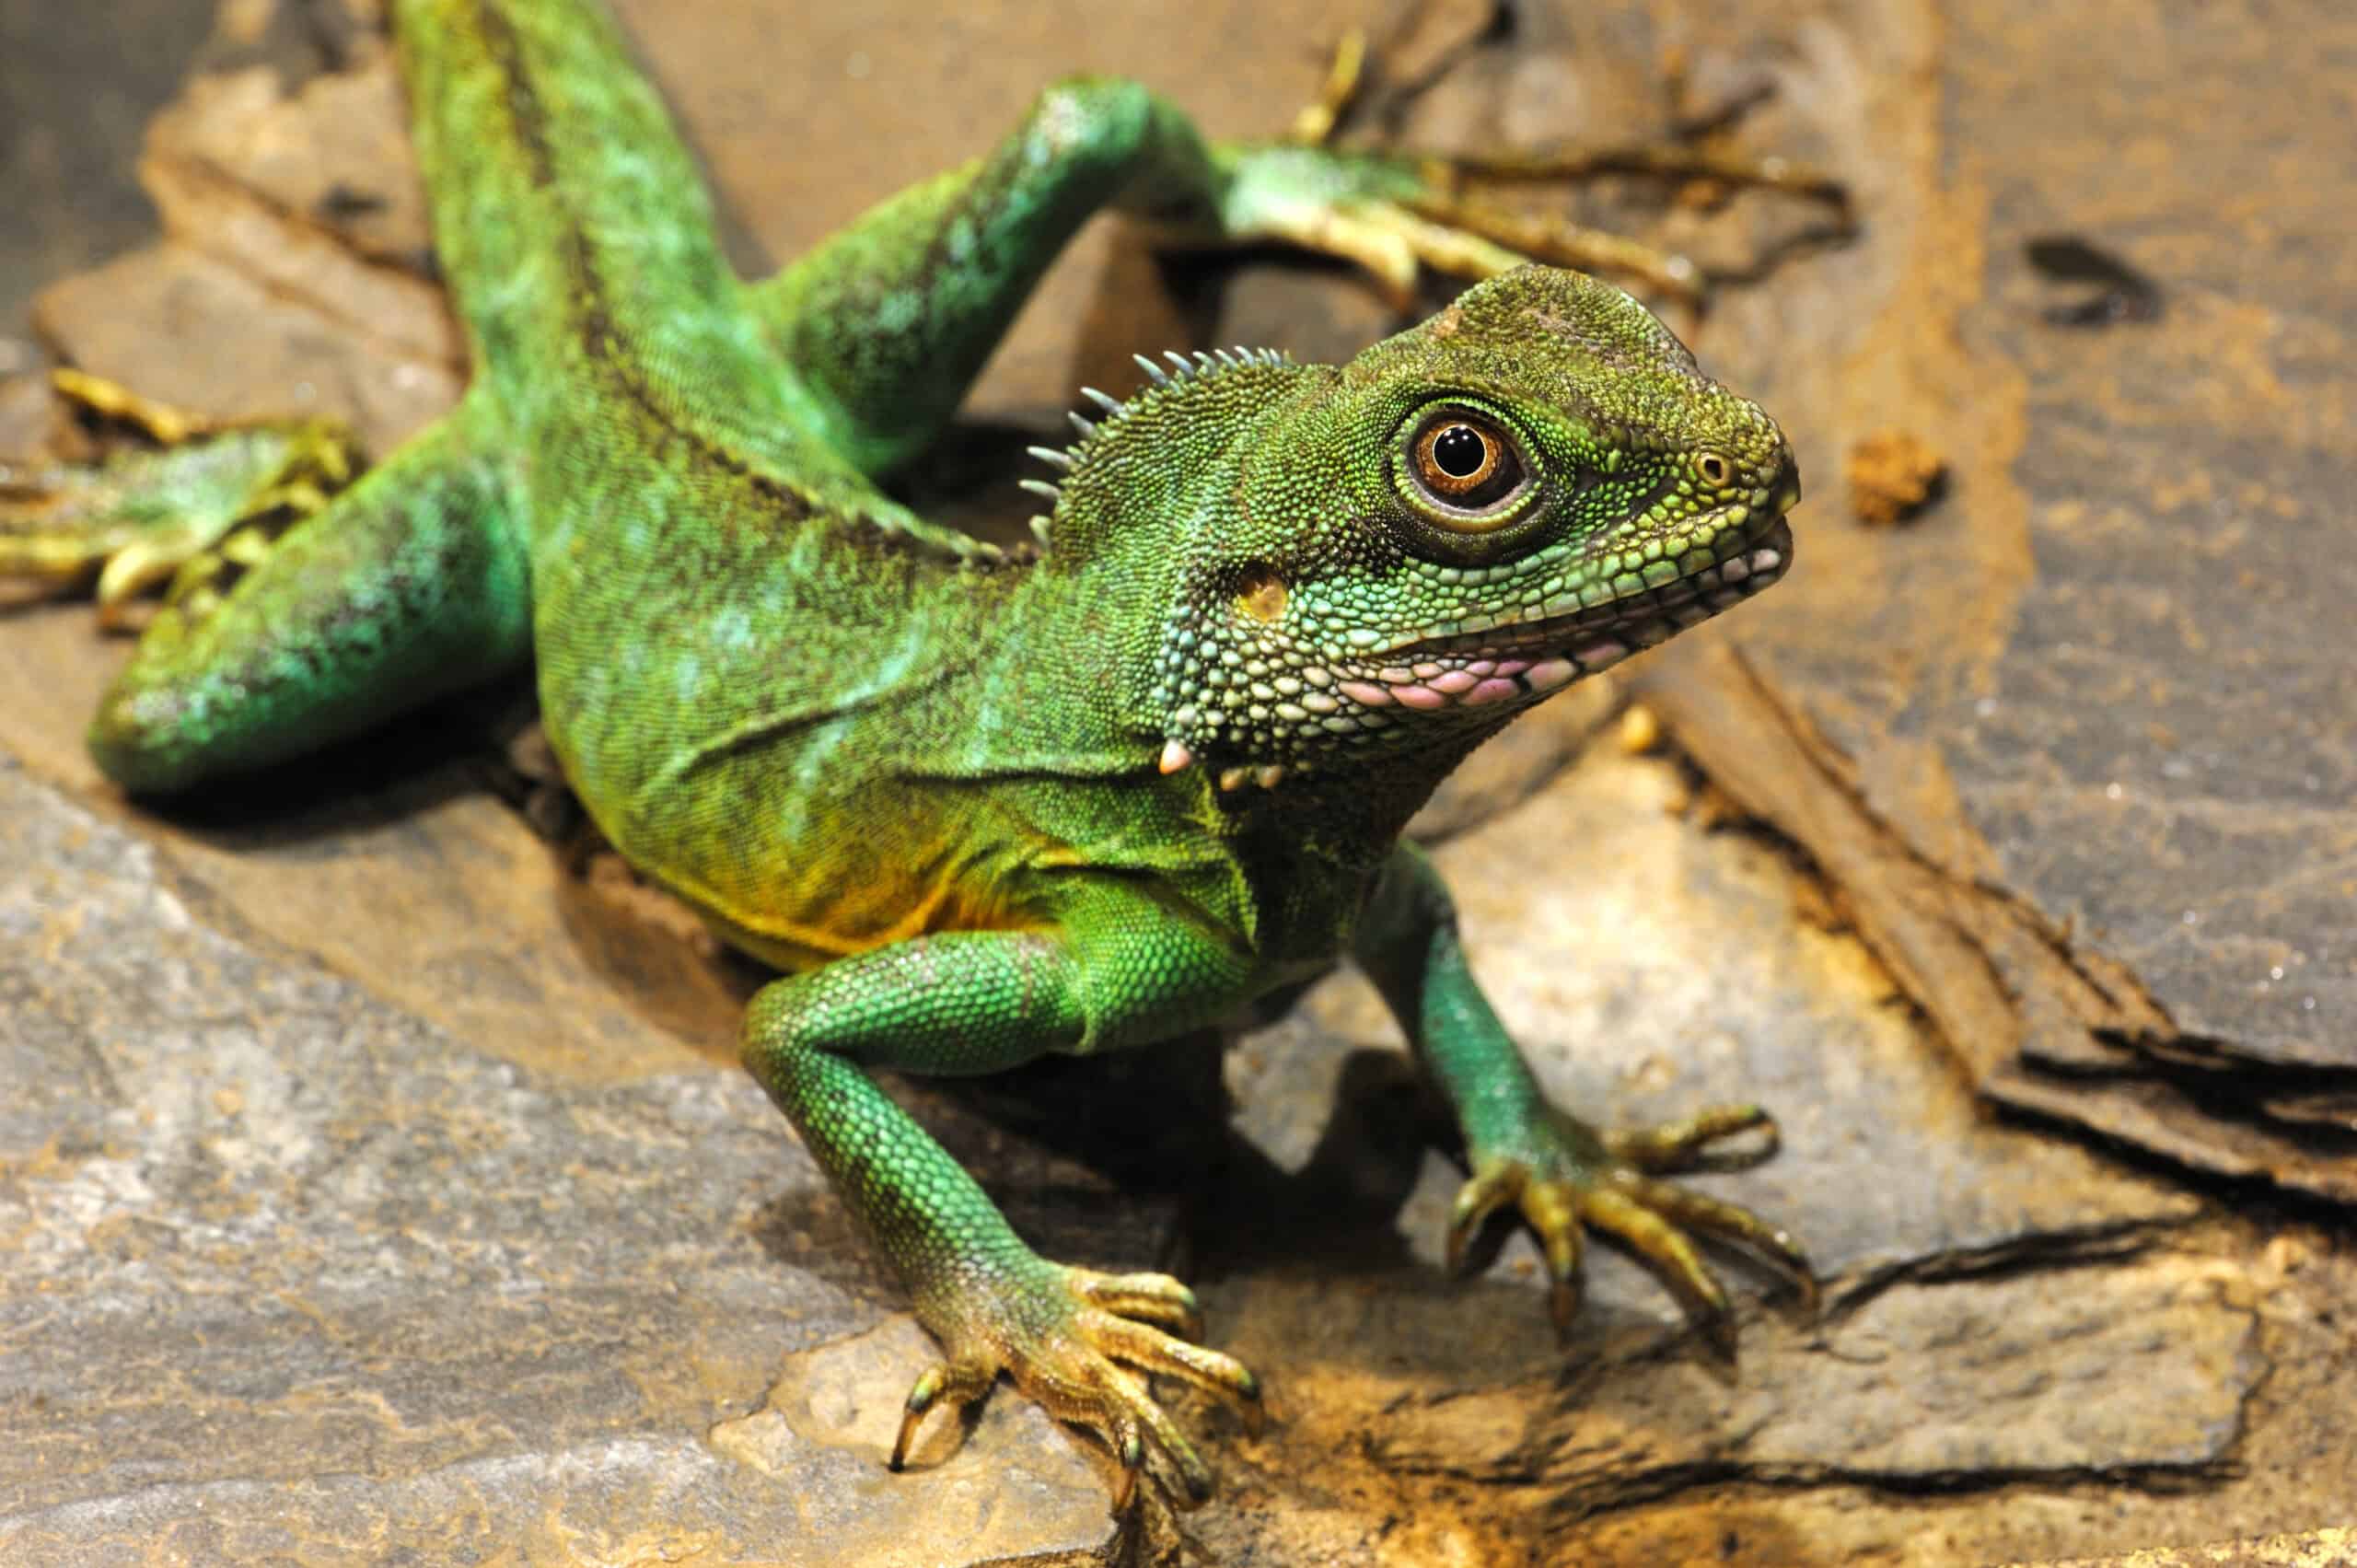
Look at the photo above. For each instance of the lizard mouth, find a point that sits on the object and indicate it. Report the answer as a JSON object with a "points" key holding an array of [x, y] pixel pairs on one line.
{"points": [[1529, 658]]}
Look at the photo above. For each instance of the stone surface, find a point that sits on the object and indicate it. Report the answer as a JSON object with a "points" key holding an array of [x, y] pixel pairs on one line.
{"points": [[290, 1270], [76, 91], [1923, 1385], [2078, 736], [2316, 1548]]}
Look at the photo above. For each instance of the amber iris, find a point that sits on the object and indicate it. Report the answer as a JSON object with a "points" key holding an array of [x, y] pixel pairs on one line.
{"points": [[1465, 463], [1453, 459]]}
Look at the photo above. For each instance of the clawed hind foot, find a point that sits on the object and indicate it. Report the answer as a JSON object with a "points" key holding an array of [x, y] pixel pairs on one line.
{"points": [[197, 504], [1398, 216]]}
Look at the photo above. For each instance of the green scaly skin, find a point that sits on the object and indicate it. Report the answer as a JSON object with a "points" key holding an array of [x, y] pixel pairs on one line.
{"points": [[982, 808]]}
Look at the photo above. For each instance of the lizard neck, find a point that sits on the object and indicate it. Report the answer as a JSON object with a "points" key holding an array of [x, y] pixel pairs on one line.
{"points": [[1149, 478], [1352, 817], [1144, 495]]}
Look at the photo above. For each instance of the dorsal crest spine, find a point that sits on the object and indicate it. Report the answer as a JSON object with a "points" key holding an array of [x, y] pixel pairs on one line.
{"points": [[1181, 369]]}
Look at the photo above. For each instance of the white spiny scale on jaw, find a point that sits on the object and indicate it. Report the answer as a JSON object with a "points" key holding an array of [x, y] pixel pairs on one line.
{"points": [[1110, 411]]}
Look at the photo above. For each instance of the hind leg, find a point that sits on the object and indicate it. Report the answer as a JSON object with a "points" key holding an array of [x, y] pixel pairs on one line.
{"points": [[409, 584]]}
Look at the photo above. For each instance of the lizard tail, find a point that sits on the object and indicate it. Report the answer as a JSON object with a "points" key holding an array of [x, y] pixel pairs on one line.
{"points": [[571, 221]]}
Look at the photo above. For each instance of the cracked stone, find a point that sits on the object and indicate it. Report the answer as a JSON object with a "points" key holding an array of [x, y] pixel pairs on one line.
{"points": [[1970, 1382]]}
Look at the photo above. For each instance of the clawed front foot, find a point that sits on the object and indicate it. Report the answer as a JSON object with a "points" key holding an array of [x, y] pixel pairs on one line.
{"points": [[1069, 1337], [1565, 1179], [202, 504]]}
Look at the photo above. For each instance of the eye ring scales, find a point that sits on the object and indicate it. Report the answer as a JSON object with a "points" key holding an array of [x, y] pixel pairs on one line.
{"points": [[1467, 469]]}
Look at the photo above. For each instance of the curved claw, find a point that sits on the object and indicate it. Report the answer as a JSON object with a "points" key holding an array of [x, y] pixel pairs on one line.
{"points": [[1771, 173], [1476, 1200], [960, 1383], [1539, 237], [1150, 1350], [1669, 1257], [1553, 1212], [1129, 1447], [1701, 1212], [1317, 119], [1195, 1475], [921, 1395], [1676, 1146], [163, 424], [1148, 1297]]}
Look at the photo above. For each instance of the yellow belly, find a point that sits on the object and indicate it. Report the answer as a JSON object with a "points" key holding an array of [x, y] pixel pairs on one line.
{"points": [[866, 891]]}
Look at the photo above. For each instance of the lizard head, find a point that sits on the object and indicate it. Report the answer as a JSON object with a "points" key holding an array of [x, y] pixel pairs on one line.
{"points": [[1400, 555]]}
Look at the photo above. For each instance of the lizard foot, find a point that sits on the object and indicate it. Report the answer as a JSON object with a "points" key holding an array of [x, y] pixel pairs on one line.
{"points": [[1068, 1337], [1564, 1179], [1397, 215], [197, 506]]}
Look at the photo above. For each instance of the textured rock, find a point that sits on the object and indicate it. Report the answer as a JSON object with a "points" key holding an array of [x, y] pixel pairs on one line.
{"points": [[2316, 1548], [78, 90], [1966, 1380], [290, 1270], [2074, 742]]}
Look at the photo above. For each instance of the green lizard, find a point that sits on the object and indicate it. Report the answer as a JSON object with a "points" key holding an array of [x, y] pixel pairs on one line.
{"points": [[979, 805]]}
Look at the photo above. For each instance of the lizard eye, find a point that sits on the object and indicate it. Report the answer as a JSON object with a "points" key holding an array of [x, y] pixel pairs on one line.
{"points": [[1465, 470]]}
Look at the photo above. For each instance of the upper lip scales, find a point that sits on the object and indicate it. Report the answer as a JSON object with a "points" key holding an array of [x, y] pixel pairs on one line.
{"points": [[1555, 629]]}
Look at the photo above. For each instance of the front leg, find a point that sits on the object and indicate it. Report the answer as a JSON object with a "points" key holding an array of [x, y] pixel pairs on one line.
{"points": [[1119, 971], [1561, 1173], [888, 321]]}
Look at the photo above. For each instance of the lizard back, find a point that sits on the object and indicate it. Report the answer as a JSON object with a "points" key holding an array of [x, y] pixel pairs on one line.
{"points": [[717, 594]]}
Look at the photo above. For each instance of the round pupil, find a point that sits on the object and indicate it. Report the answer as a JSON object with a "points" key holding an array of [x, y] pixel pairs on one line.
{"points": [[1459, 451]]}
